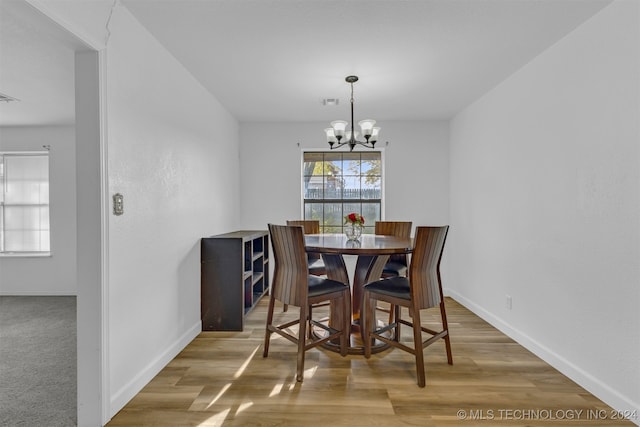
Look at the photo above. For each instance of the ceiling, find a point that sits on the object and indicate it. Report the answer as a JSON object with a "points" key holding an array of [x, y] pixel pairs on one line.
{"points": [[276, 60], [36, 68]]}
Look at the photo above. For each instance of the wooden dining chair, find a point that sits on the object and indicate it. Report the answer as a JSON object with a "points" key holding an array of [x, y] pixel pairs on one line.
{"points": [[421, 289], [316, 264], [397, 264], [293, 285], [311, 226]]}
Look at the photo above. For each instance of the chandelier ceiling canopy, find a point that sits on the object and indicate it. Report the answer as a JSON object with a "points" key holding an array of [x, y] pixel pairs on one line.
{"points": [[338, 135]]}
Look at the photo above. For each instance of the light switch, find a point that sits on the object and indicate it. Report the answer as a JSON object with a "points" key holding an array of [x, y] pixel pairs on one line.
{"points": [[118, 204]]}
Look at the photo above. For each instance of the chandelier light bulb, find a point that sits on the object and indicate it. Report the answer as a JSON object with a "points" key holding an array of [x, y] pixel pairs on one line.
{"points": [[366, 127], [374, 135], [339, 127], [331, 136]]}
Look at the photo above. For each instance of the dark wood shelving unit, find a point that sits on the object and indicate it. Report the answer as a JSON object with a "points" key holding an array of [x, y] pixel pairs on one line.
{"points": [[234, 276]]}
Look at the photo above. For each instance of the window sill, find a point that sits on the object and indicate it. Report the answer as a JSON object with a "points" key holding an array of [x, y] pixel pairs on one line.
{"points": [[25, 254]]}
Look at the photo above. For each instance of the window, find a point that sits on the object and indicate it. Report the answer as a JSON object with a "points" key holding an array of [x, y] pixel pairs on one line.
{"points": [[336, 184], [24, 203]]}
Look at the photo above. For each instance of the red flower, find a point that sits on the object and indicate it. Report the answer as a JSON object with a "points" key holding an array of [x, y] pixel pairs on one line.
{"points": [[354, 218]]}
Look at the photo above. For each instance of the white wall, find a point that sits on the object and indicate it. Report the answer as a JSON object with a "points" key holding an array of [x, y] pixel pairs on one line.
{"points": [[173, 154], [54, 275], [545, 192], [416, 170], [91, 183]]}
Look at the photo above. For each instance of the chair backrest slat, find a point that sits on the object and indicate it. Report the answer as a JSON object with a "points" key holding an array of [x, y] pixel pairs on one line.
{"points": [[310, 226], [290, 276], [424, 271], [394, 228]]}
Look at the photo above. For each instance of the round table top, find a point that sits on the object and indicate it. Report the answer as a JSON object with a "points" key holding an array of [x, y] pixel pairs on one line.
{"points": [[367, 244]]}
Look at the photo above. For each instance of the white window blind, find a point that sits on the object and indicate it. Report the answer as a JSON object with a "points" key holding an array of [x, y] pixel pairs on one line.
{"points": [[24, 203]]}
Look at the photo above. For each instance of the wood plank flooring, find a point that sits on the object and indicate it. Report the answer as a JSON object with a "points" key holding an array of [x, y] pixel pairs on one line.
{"points": [[221, 379]]}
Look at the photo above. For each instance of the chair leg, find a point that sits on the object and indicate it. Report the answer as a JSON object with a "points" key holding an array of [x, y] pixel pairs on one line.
{"points": [[396, 310], [366, 325], [445, 327], [302, 334], [346, 325], [419, 351], [267, 334], [392, 310]]}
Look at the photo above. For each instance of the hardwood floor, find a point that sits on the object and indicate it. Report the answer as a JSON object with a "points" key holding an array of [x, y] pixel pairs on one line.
{"points": [[221, 379]]}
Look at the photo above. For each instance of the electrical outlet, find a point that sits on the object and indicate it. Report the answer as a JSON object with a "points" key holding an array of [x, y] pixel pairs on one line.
{"points": [[507, 302]]}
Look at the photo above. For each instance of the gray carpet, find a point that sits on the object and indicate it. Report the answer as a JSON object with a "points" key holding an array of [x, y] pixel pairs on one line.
{"points": [[37, 361]]}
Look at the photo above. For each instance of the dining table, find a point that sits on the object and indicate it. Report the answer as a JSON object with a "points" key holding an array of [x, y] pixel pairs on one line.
{"points": [[372, 253]]}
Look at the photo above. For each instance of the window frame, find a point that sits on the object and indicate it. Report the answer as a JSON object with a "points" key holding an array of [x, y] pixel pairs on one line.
{"points": [[380, 150], [26, 254]]}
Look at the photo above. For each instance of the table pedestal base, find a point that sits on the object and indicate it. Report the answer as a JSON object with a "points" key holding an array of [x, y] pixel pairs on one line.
{"points": [[356, 345], [368, 268]]}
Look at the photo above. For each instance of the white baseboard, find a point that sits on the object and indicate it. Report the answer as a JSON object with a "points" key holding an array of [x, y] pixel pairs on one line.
{"points": [[602, 391], [133, 387]]}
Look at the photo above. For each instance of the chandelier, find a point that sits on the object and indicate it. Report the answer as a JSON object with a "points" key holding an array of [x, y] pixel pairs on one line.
{"points": [[338, 135]]}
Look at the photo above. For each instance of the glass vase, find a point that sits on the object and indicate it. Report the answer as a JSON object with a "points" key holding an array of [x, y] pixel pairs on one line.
{"points": [[352, 231]]}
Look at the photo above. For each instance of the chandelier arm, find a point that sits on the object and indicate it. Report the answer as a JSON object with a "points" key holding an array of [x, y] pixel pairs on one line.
{"points": [[351, 144]]}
